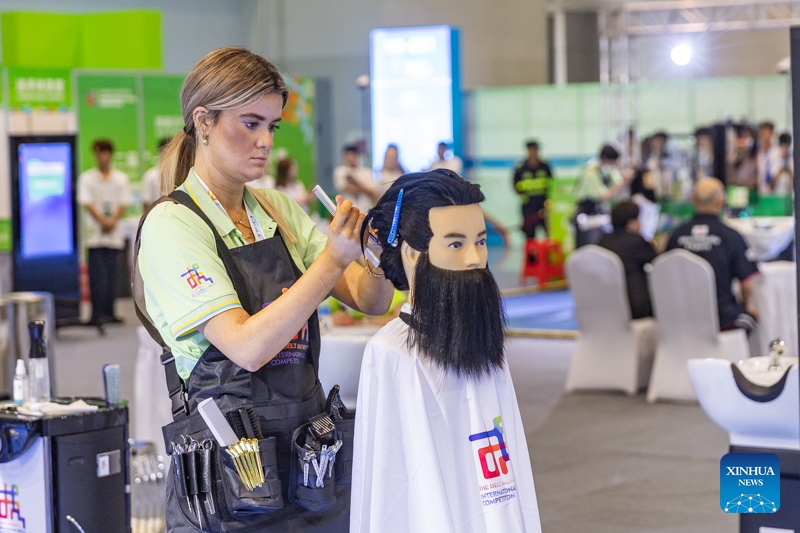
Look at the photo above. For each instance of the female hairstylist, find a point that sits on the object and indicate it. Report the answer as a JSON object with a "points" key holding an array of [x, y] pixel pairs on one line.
{"points": [[232, 280]]}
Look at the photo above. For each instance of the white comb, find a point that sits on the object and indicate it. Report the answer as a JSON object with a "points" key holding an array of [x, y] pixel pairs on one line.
{"points": [[217, 423]]}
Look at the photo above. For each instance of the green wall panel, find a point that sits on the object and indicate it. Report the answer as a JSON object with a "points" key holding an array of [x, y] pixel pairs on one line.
{"points": [[716, 99], [162, 112], [41, 40], [122, 40], [125, 39]]}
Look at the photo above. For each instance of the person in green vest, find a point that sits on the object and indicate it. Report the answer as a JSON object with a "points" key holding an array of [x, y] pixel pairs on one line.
{"points": [[532, 179]]}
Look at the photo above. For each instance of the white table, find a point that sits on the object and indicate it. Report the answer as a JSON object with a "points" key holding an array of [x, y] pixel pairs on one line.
{"points": [[766, 236], [775, 297], [340, 359]]}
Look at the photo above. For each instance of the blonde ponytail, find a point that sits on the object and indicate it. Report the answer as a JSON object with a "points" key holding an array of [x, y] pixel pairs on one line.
{"points": [[176, 162]]}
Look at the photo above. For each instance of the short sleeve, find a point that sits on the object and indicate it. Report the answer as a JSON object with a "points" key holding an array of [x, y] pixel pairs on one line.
{"points": [[184, 278], [84, 190], [125, 196], [743, 267]]}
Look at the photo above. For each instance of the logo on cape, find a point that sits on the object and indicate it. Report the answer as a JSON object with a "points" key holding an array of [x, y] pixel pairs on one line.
{"points": [[491, 464]]}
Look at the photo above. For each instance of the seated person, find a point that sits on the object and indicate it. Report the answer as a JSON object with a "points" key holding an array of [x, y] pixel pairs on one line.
{"points": [[726, 251], [439, 442], [635, 252]]}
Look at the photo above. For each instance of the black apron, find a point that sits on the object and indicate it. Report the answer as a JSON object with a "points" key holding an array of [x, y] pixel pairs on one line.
{"points": [[284, 394]]}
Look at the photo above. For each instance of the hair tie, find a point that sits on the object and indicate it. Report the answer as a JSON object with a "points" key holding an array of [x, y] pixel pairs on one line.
{"points": [[396, 219], [187, 130]]}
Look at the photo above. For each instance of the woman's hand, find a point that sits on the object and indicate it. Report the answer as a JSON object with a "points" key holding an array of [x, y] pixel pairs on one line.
{"points": [[344, 233]]}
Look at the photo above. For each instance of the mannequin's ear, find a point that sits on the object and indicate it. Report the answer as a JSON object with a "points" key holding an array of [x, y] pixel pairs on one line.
{"points": [[409, 255]]}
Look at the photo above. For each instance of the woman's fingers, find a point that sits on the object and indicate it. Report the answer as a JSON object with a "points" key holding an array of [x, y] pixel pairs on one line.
{"points": [[342, 212]]}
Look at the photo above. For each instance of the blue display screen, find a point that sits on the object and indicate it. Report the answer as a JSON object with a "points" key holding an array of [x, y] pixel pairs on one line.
{"points": [[45, 188], [411, 80]]}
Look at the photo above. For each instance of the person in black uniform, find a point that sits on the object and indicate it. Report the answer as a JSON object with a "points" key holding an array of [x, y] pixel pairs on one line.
{"points": [[532, 179], [635, 252], [726, 251]]}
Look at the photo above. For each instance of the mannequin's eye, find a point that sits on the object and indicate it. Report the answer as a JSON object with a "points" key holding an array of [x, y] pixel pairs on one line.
{"points": [[454, 245], [481, 242]]}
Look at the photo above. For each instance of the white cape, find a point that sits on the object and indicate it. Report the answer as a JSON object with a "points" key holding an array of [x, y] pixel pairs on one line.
{"points": [[436, 453]]}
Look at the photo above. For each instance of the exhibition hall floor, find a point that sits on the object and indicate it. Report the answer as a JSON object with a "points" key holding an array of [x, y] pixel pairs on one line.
{"points": [[604, 463]]}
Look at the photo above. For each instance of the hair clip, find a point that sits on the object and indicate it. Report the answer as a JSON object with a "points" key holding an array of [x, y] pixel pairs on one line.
{"points": [[392, 240]]}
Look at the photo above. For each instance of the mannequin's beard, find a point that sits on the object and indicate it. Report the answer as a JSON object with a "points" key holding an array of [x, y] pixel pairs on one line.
{"points": [[458, 319]]}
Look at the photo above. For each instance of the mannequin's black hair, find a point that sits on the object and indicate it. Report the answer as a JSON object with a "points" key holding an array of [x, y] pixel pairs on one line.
{"points": [[422, 192]]}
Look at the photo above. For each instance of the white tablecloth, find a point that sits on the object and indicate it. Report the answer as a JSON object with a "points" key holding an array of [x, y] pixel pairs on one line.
{"points": [[340, 359], [766, 236], [775, 295], [151, 407]]}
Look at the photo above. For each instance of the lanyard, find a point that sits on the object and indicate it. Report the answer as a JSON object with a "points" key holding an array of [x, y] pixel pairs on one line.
{"points": [[257, 231]]}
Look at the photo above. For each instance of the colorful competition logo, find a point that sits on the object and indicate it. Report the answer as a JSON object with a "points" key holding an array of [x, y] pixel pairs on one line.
{"points": [[198, 282], [750, 483], [10, 516], [495, 483], [486, 454]]}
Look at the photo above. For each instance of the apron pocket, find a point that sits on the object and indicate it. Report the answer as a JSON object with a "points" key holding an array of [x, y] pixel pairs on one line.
{"points": [[243, 502], [343, 466], [307, 488]]}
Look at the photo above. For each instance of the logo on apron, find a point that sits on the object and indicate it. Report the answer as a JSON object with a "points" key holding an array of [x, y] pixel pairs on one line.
{"points": [[495, 482]]}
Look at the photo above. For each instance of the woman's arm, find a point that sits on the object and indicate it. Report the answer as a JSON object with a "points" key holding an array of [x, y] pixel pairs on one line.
{"points": [[252, 341], [364, 292]]}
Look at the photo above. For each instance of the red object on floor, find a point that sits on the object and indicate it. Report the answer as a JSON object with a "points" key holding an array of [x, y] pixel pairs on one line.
{"points": [[544, 261], [83, 277]]}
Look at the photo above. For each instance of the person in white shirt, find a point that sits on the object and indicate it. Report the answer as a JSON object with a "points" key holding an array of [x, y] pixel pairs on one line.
{"points": [[150, 191], [766, 158], [104, 193], [783, 166], [286, 182], [439, 443], [392, 169], [454, 163], [354, 181]]}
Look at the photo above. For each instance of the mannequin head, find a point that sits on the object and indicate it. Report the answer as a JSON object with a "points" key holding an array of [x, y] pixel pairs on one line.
{"points": [[440, 257]]}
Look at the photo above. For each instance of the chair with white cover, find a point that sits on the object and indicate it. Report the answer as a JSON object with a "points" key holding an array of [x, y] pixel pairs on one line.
{"points": [[613, 352], [684, 296]]}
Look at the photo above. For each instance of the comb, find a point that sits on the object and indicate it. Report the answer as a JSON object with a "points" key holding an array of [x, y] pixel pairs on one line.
{"points": [[322, 427], [111, 384], [217, 423]]}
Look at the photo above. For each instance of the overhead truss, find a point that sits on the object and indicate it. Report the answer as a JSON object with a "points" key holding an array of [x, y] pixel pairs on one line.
{"points": [[619, 27]]}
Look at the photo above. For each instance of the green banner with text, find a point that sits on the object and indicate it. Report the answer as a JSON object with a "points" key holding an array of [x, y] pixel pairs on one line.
{"points": [[108, 108], [35, 88]]}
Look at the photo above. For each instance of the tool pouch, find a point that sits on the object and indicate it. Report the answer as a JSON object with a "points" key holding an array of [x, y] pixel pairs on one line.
{"points": [[236, 508], [240, 501], [312, 482]]}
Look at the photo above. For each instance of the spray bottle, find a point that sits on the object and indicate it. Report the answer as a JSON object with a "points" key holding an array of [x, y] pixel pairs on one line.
{"points": [[38, 364]]}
